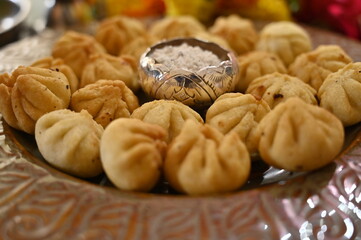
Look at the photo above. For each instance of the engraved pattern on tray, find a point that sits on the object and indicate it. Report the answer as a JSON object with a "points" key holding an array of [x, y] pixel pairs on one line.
{"points": [[36, 202]]}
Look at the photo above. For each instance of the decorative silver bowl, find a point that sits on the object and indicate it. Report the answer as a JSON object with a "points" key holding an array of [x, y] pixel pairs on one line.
{"points": [[194, 88]]}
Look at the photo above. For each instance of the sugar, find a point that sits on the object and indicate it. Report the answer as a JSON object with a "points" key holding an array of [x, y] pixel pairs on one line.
{"points": [[185, 56]]}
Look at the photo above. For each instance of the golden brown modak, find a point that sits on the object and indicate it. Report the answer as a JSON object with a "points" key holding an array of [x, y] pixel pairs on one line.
{"points": [[313, 67], [105, 100], [75, 49], [137, 47], [239, 113], [105, 66], [115, 32], [239, 33], [285, 39], [175, 27], [169, 114], [58, 64], [340, 93], [298, 136], [277, 87], [202, 161], [256, 64], [30, 92], [132, 153], [209, 37]]}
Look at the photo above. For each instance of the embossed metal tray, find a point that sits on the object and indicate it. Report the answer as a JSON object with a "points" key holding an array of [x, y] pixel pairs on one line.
{"points": [[39, 202]]}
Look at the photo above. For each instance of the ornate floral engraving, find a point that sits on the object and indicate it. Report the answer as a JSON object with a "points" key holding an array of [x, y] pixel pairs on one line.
{"points": [[191, 88]]}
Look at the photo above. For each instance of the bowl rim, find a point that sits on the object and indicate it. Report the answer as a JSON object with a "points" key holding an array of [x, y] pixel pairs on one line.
{"points": [[222, 53], [24, 10]]}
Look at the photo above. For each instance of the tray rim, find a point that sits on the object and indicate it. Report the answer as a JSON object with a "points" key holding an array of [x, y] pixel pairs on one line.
{"points": [[205, 212]]}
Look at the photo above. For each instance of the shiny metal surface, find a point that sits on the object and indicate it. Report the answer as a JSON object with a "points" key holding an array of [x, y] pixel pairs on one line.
{"points": [[198, 88], [39, 202], [12, 14]]}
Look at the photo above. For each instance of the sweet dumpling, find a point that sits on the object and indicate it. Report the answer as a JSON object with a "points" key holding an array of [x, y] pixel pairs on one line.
{"points": [[201, 161], [169, 114], [115, 32], [70, 142], [58, 64], [238, 32], [30, 92], [276, 87], [285, 39], [256, 64], [313, 67], [138, 46], [340, 93], [105, 66], [209, 37], [175, 27], [239, 113], [105, 100], [297, 136], [75, 48], [132, 153]]}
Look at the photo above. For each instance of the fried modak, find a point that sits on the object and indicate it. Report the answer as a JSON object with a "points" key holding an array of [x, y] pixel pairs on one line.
{"points": [[297, 136], [132, 153], [75, 49], [209, 37], [340, 93], [256, 64], [137, 47], [313, 67], [175, 27], [169, 114], [105, 66], [239, 33], [203, 161], [30, 92], [70, 142], [285, 39], [277, 87], [58, 64], [239, 113], [105, 100], [115, 32]]}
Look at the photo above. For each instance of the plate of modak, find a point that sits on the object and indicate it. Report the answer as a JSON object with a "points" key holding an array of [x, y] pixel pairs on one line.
{"points": [[87, 153]]}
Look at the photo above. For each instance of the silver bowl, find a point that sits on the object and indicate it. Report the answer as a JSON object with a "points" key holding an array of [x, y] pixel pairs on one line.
{"points": [[12, 15], [194, 88]]}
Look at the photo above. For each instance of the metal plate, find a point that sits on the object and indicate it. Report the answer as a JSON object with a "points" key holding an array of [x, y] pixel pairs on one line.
{"points": [[12, 15], [39, 202]]}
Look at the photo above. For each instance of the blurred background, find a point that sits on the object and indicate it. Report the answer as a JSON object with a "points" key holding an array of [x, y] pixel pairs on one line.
{"points": [[21, 18]]}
